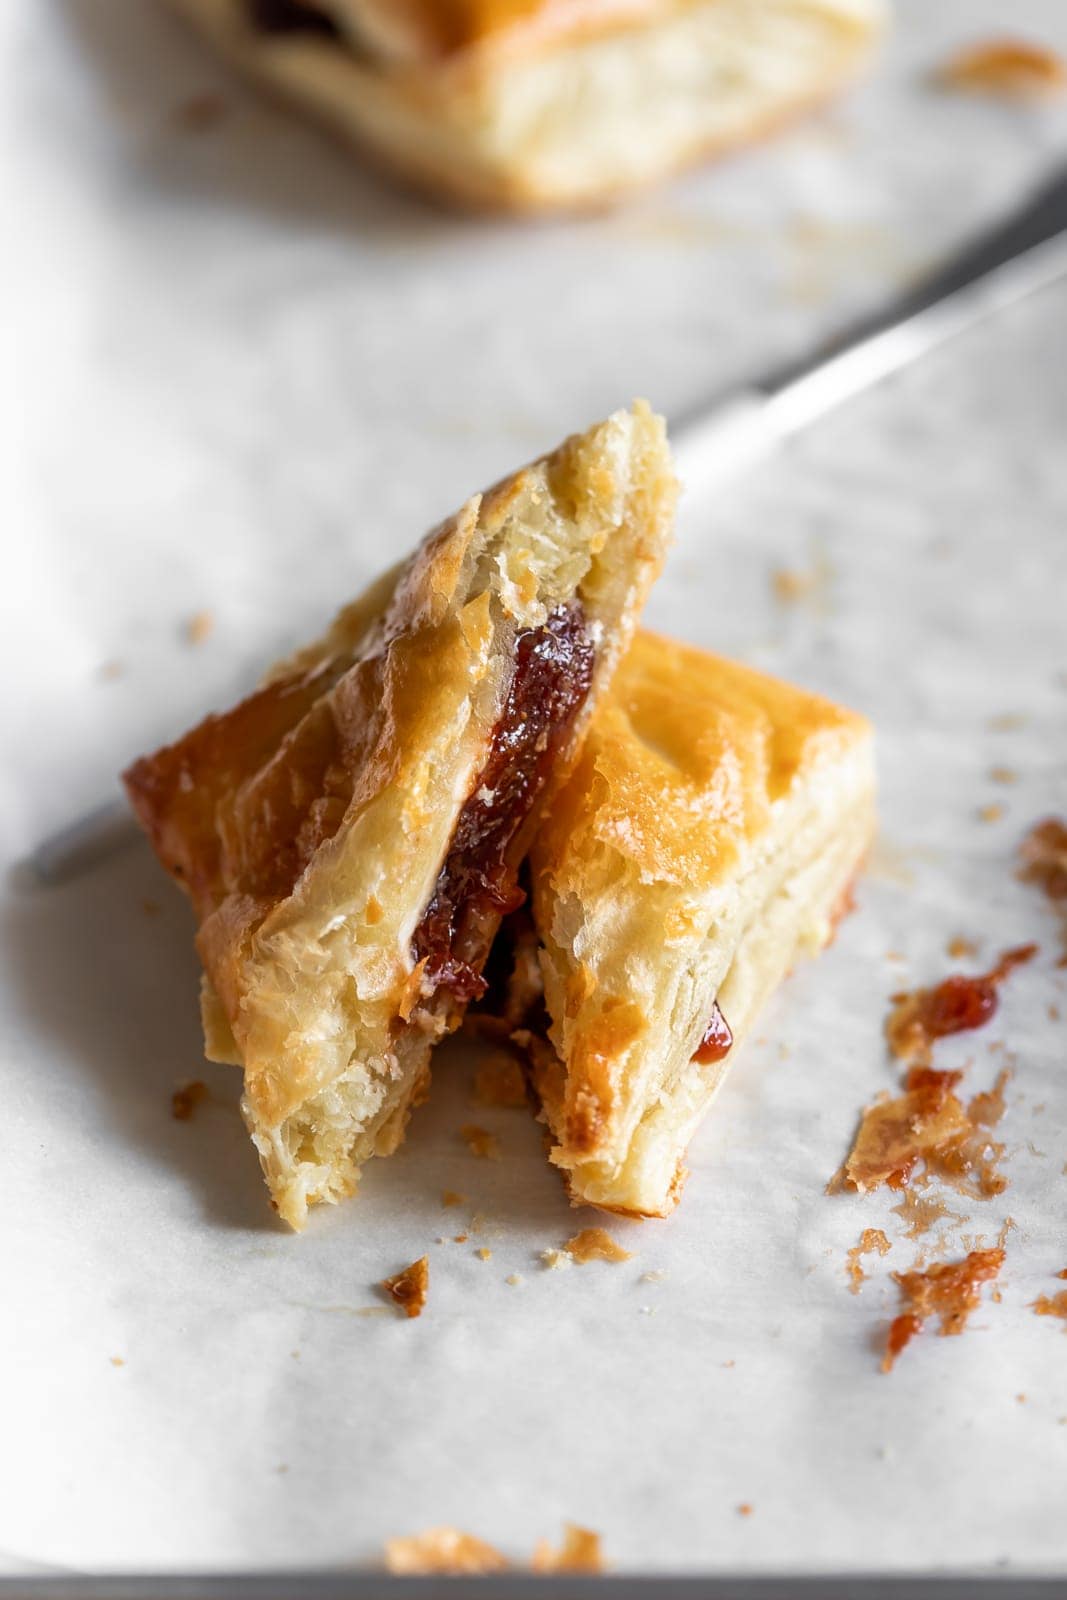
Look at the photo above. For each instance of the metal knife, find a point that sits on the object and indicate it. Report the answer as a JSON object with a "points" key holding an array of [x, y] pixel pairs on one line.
{"points": [[722, 439]]}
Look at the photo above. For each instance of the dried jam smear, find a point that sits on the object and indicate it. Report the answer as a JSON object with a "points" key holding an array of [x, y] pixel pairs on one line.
{"points": [[717, 1039], [949, 1290], [954, 1006], [290, 16], [478, 882]]}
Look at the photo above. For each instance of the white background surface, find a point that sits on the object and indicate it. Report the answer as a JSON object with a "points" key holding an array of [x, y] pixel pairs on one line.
{"points": [[244, 377]]}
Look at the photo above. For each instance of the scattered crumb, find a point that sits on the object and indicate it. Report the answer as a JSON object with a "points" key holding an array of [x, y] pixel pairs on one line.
{"points": [[595, 1244], [1051, 1305], [992, 813], [408, 1289], [730, 1363], [499, 1082], [483, 1254], [556, 1260], [579, 1552], [871, 1239], [450, 1197], [1003, 775], [1006, 722], [460, 1238], [744, 1509], [949, 1290], [895, 955], [117, 1361], [920, 1211], [657, 1275], [186, 1098], [444, 1550], [199, 113], [960, 948], [1062, 1274], [514, 1278], [1043, 857], [480, 1142], [790, 587], [1021, 1398], [296, 1353], [896, 1134], [151, 908], [110, 670], [198, 627], [1011, 69]]}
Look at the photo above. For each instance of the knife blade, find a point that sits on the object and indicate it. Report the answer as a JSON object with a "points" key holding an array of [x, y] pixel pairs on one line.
{"points": [[718, 441]]}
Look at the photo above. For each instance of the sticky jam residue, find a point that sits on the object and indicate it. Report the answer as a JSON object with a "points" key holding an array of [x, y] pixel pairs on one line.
{"points": [[717, 1039], [958, 1004], [595, 1244], [949, 1290], [929, 1125], [408, 1289]]}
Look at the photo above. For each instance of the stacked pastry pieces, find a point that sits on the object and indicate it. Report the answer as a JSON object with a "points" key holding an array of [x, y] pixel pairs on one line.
{"points": [[351, 837]]}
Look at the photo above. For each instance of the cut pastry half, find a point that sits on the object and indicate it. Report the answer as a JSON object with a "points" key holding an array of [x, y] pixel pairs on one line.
{"points": [[351, 834], [526, 104], [707, 836]]}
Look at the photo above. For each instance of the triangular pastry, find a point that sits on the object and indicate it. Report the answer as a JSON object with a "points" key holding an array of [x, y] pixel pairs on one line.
{"points": [[708, 834], [351, 834]]}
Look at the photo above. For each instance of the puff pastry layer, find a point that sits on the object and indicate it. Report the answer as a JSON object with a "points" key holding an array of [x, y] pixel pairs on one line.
{"points": [[527, 104], [707, 836], [351, 834]]}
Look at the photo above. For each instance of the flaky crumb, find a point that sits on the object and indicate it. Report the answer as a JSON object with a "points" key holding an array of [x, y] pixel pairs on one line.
{"points": [[483, 1254], [595, 1244], [117, 1361], [949, 1290], [1006, 722], [480, 1142], [556, 1260], [408, 1289], [514, 1278], [198, 627], [442, 1550], [960, 948], [992, 813], [451, 1197], [1003, 775], [579, 1552], [186, 1098], [657, 1275], [1051, 1305], [744, 1509], [1011, 69], [790, 586], [871, 1240], [499, 1082]]}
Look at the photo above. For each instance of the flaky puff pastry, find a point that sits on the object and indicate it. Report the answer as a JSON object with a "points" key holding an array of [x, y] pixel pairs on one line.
{"points": [[533, 104], [350, 834], [707, 836]]}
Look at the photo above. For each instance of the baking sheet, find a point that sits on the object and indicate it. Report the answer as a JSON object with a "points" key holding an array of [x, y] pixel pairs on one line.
{"points": [[248, 377]]}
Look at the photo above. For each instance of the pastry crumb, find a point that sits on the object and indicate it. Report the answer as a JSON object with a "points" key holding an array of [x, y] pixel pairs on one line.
{"points": [[871, 1240], [1006, 722], [657, 1275], [950, 1290], [960, 948], [1010, 69], [441, 1550], [117, 1361], [993, 813], [579, 1552], [1003, 775], [199, 113], [408, 1289], [198, 627], [744, 1509], [790, 587], [957, 1005], [186, 1098], [460, 1238], [483, 1254], [556, 1260], [1051, 1305], [514, 1278], [595, 1244], [1043, 857], [452, 1197], [480, 1142], [499, 1082]]}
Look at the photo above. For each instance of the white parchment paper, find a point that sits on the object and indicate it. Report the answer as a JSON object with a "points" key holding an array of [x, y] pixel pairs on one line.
{"points": [[247, 378]]}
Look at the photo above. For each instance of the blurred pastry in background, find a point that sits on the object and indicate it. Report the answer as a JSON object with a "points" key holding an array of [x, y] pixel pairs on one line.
{"points": [[531, 104], [1008, 69], [707, 838]]}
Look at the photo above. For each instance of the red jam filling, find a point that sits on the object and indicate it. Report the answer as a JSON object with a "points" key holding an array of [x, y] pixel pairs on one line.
{"points": [[717, 1039]]}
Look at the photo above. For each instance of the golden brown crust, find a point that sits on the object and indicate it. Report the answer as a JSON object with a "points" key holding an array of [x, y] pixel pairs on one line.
{"points": [[708, 832], [309, 825], [408, 1289]]}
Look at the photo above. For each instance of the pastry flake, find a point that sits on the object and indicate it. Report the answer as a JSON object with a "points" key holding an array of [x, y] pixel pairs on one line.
{"points": [[351, 834], [441, 1550], [408, 1289], [703, 841], [949, 1290], [533, 104]]}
